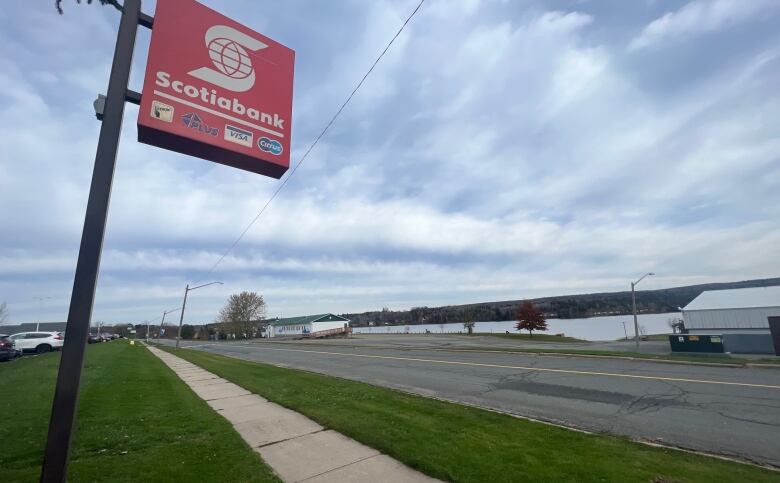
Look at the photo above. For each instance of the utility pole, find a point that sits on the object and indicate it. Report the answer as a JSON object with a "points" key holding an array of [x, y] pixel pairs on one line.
{"points": [[633, 310], [633, 307], [181, 316], [187, 289], [624, 329], [165, 312]]}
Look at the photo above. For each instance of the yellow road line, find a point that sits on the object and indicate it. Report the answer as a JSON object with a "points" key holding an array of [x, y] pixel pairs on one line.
{"points": [[525, 368]]}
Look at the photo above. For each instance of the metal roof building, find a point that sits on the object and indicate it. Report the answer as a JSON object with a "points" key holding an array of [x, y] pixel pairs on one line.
{"points": [[736, 309], [748, 317]]}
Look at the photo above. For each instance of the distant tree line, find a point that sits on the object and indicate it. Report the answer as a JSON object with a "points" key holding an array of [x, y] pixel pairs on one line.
{"points": [[560, 307]]}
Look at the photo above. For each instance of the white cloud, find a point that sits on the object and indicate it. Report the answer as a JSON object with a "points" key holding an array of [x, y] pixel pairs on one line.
{"points": [[698, 17]]}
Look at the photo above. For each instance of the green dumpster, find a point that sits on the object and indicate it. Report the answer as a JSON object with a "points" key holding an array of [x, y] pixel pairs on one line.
{"points": [[712, 343]]}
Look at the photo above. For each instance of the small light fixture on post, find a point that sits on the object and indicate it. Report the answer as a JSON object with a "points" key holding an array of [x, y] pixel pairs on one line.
{"points": [[184, 305], [633, 306]]}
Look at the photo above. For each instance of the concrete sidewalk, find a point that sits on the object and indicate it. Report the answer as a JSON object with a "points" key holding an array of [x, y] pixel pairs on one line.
{"points": [[297, 448]]}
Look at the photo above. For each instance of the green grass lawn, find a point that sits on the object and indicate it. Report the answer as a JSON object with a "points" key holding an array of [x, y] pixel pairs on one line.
{"points": [[533, 338], [461, 443], [137, 421]]}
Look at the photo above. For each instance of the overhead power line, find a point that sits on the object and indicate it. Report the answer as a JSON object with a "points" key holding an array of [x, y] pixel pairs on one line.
{"points": [[316, 140]]}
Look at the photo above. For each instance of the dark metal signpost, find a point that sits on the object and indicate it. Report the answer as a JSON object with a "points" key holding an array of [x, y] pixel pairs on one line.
{"points": [[207, 77], [63, 413]]}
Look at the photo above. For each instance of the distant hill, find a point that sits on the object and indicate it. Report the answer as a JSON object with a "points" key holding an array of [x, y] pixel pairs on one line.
{"points": [[559, 307]]}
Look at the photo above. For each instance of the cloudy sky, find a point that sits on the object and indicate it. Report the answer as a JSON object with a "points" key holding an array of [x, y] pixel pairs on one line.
{"points": [[501, 150]]}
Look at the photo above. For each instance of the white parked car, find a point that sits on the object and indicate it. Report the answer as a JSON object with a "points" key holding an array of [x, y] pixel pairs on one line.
{"points": [[39, 342]]}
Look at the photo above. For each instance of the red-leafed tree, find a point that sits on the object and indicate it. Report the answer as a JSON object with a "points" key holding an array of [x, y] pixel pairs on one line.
{"points": [[529, 318]]}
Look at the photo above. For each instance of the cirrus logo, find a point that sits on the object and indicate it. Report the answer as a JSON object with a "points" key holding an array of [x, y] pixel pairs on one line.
{"points": [[270, 146]]}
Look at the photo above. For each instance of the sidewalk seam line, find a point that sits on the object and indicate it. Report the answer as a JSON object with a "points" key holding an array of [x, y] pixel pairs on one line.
{"points": [[285, 440], [342, 466]]}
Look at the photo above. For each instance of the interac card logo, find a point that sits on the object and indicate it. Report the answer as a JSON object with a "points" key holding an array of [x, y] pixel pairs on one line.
{"points": [[238, 136], [162, 111]]}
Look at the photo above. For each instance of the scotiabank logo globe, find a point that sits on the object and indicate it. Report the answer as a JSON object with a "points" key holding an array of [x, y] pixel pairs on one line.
{"points": [[228, 52]]}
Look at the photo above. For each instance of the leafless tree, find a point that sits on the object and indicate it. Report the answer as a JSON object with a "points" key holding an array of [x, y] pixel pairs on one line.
{"points": [[241, 310], [468, 322], [677, 325]]}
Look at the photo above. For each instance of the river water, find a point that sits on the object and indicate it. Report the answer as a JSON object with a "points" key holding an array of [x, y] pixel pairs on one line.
{"points": [[593, 328]]}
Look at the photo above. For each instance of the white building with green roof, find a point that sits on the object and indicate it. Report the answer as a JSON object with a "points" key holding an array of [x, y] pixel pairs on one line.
{"points": [[307, 325]]}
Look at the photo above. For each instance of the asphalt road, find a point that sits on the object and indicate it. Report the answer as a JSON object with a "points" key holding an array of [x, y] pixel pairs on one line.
{"points": [[729, 411]]}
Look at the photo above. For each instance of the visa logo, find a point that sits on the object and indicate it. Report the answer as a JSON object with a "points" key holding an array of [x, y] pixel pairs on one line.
{"points": [[238, 136]]}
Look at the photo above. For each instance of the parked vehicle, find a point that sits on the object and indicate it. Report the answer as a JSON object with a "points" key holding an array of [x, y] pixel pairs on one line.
{"points": [[7, 349], [93, 339], [38, 342]]}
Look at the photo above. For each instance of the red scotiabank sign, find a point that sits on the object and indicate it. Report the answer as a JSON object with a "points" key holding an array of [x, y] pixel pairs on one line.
{"points": [[217, 90]]}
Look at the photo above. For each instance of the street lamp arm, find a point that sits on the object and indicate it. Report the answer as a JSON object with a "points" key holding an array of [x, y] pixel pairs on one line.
{"points": [[633, 308], [642, 278], [187, 290], [204, 285]]}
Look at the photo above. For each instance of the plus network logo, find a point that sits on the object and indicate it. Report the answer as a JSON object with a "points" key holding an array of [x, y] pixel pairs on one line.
{"points": [[228, 51]]}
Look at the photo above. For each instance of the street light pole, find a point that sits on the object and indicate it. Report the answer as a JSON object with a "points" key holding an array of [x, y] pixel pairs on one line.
{"points": [[162, 322], [633, 307], [181, 317], [40, 317], [187, 289]]}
